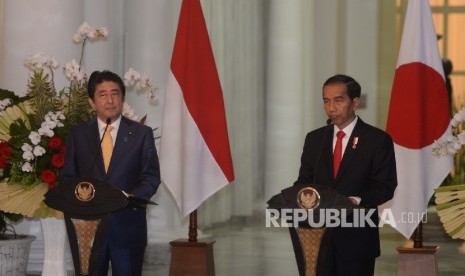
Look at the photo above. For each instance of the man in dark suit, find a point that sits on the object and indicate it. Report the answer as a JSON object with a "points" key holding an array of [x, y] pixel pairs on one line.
{"points": [[366, 174], [132, 167]]}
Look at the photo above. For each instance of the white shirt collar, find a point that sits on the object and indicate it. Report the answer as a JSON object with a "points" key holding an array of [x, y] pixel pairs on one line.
{"points": [[348, 129], [102, 125]]}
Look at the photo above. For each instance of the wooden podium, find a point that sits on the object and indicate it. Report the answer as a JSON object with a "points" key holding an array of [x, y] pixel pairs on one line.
{"points": [[310, 244], [86, 204]]}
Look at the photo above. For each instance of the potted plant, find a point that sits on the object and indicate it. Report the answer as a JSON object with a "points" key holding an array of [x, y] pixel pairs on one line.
{"points": [[14, 249]]}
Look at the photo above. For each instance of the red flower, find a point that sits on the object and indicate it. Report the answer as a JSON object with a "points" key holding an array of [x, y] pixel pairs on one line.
{"points": [[55, 142], [58, 160], [4, 150], [48, 176]]}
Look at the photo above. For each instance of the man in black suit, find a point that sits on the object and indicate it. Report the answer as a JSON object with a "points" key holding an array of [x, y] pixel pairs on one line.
{"points": [[366, 174], [131, 167]]}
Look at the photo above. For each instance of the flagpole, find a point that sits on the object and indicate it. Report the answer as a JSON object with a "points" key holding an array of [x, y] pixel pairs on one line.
{"points": [[193, 226], [418, 236]]}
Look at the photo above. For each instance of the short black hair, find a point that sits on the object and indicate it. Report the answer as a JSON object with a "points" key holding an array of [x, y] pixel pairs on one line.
{"points": [[353, 87], [98, 77]]}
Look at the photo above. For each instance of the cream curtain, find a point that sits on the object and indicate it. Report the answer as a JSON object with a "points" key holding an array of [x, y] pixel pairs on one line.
{"points": [[238, 33], [1, 28]]}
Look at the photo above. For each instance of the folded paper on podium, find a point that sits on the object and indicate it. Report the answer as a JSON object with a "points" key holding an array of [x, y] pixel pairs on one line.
{"points": [[86, 204], [310, 238]]}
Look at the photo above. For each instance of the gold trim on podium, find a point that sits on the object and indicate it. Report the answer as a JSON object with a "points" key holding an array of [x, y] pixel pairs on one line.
{"points": [[85, 233], [310, 241]]}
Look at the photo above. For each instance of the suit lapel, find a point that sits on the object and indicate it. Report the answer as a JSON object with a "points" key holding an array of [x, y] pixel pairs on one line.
{"points": [[352, 148], [122, 144]]}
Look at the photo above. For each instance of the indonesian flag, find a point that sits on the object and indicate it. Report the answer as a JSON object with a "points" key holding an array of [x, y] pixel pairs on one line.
{"points": [[195, 159], [418, 115]]}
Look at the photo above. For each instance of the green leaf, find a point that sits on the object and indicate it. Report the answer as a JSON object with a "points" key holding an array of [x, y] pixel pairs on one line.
{"points": [[43, 96], [18, 129]]}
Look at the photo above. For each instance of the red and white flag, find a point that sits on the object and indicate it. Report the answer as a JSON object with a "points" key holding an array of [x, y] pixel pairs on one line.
{"points": [[419, 114], [195, 158]]}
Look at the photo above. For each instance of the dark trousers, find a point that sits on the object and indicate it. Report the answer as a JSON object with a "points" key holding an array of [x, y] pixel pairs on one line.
{"points": [[336, 265], [124, 261]]}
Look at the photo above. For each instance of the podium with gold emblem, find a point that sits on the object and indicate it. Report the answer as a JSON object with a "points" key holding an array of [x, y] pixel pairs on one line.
{"points": [[86, 204], [310, 238]]}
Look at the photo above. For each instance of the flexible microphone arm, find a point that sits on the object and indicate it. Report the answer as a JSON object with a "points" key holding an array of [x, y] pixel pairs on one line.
{"points": [[328, 127]]}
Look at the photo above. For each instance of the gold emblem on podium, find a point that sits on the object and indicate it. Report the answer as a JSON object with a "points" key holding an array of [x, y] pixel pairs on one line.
{"points": [[84, 191], [308, 198]]}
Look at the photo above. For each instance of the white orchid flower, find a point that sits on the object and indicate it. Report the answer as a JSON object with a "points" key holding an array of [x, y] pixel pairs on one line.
{"points": [[73, 71], [152, 95], [131, 77], [46, 131], [141, 83], [82, 32], [39, 61], [26, 147], [86, 31], [60, 115], [128, 112], [102, 32], [34, 137], [27, 167], [38, 151], [51, 124], [28, 155]]}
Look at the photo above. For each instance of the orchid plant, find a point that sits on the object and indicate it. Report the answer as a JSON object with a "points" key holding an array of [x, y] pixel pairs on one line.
{"points": [[33, 128], [452, 145]]}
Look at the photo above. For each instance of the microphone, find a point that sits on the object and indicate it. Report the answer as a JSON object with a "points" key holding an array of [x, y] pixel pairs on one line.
{"points": [[328, 127], [100, 144]]}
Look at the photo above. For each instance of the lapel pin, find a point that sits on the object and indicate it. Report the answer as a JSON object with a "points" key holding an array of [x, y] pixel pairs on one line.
{"points": [[354, 142]]}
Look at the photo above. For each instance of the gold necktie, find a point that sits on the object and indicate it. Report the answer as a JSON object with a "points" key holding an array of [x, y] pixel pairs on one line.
{"points": [[107, 147]]}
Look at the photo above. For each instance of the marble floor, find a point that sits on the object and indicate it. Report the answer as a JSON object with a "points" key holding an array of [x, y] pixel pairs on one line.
{"points": [[250, 249]]}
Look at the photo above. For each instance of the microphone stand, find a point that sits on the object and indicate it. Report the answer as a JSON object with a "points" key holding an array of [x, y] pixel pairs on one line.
{"points": [[328, 125]]}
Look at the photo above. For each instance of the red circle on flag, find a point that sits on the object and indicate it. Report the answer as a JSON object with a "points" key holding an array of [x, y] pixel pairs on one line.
{"points": [[419, 110]]}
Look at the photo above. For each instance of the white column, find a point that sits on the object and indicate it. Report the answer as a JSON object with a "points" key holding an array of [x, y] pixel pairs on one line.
{"points": [[55, 241], [288, 93], [29, 27]]}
